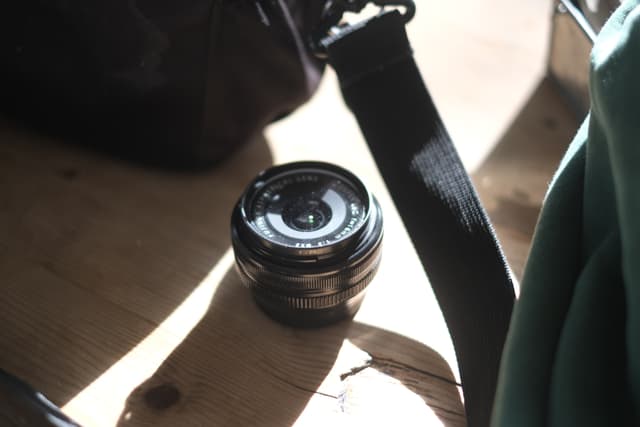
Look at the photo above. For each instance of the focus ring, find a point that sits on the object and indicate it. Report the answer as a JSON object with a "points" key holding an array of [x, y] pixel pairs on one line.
{"points": [[311, 302]]}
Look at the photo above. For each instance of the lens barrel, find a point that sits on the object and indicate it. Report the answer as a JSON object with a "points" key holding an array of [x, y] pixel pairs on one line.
{"points": [[307, 241]]}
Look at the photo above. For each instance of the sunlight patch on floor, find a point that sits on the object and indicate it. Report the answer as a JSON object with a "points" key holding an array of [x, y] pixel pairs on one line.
{"points": [[102, 402]]}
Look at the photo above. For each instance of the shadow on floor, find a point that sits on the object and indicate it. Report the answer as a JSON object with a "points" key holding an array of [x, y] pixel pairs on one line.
{"points": [[513, 179]]}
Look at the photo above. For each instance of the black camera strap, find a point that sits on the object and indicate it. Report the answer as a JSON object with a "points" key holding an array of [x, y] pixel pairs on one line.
{"points": [[450, 230]]}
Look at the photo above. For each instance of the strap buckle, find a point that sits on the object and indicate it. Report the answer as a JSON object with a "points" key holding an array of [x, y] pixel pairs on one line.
{"points": [[335, 9]]}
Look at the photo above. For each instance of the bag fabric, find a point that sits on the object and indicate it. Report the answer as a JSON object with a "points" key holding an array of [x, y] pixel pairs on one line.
{"points": [[572, 355], [177, 83]]}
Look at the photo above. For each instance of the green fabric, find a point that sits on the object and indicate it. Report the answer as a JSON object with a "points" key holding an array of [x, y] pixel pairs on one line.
{"points": [[572, 356]]}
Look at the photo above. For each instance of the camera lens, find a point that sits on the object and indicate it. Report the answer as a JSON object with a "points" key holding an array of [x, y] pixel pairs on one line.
{"points": [[307, 241]]}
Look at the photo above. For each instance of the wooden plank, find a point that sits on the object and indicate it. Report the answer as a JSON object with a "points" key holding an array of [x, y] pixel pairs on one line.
{"points": [[112, 272]]}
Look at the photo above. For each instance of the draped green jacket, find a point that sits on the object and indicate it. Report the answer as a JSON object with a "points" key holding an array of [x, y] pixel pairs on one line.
{"points": [[572, 356]]}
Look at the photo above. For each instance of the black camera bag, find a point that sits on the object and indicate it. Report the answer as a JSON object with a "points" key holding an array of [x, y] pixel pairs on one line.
{"points": [[159, 81]]}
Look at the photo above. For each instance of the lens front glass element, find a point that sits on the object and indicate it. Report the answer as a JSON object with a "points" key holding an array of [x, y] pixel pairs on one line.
{"points": [[308, 208]]}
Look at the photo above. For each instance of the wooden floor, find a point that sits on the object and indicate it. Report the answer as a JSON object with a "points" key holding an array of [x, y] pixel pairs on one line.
{"points": [[120, 303]]}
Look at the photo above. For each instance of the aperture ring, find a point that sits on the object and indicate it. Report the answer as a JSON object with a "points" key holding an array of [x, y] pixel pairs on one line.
{"points": [[308, 282]]}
